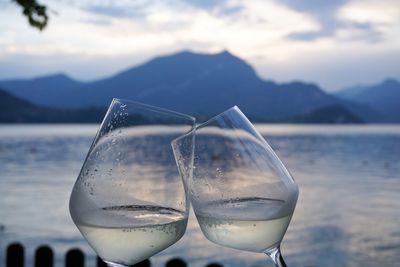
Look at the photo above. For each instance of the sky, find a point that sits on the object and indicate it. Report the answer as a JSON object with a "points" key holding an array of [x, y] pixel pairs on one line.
{"points": [[335, 43]]}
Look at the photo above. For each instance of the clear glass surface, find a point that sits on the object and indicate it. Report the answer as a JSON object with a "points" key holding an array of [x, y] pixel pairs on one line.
{"points": [[241, 193], [129, 201]]}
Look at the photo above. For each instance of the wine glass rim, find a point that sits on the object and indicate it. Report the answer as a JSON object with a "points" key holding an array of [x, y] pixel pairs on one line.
{"points": [[155, 108], [201, 125], [234, 108]]}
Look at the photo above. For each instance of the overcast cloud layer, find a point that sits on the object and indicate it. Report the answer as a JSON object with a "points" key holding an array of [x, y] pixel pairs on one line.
{"points": [[334, 43]]}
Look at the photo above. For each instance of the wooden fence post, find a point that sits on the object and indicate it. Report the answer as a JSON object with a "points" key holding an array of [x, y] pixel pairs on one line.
{"points": [[15, 255], [145, 263], [214, 265], [44, 257], [100, 262], [74, 258], [176, 262]]}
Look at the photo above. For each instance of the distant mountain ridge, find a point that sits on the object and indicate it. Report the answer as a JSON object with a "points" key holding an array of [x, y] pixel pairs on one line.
{"points": [[383, 97], [197, 84], [330, 114], [16, 110], [42, 90]]}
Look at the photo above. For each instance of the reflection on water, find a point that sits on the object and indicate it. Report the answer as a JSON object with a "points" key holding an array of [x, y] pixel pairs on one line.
{"points": [[347, 214]]}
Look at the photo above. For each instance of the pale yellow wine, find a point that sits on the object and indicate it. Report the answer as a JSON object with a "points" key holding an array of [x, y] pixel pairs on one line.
{"points": [[141, 233], [251, 224]]}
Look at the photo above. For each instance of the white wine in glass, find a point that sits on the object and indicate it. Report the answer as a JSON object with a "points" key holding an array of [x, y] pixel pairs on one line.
{"points": [[258, 225], [137, 239], [129, 201], [242, 194]]}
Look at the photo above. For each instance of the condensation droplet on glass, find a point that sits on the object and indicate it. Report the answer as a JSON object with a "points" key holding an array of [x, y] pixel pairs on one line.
{"points": [[219, 173]]}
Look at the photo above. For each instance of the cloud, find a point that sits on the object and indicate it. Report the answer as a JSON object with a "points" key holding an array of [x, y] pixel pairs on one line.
{"points": [[384, 12], [371, 21], [219, 8], [121, 9], [281, 38], [357, 31], [322, 11], [334, 68], [99, 22], [230, 10], [108, 11], [330, 20], [206, 4], [138, 10]]}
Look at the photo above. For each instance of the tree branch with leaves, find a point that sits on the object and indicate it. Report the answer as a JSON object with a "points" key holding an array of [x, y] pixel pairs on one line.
{"points": [[35, 12]]}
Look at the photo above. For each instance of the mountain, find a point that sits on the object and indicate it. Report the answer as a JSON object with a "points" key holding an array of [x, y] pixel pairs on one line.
{"points": [[331, 114], [14, 109], [43, 90], [383, 97], [350, 91], [198, 84]]}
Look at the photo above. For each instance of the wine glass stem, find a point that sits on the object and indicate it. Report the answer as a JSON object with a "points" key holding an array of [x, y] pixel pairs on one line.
{"points": [[276, 256]]}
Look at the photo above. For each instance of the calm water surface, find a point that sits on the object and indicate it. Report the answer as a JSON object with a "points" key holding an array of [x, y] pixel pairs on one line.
{"points": [[348, 213]]}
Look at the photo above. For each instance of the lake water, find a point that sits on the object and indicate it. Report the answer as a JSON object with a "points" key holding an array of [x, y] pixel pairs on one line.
{"points": [[348, 213]]}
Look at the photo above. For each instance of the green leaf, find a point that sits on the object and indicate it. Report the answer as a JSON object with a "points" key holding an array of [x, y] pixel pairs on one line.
{"points": [[35, 12]]}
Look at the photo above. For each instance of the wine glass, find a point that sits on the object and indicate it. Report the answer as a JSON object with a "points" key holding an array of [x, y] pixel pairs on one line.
{"points": [[129, 201], [241, 193]]}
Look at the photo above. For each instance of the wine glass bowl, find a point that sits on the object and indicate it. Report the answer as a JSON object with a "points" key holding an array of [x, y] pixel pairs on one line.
{"points": [[241, 193], [129, 201]]}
